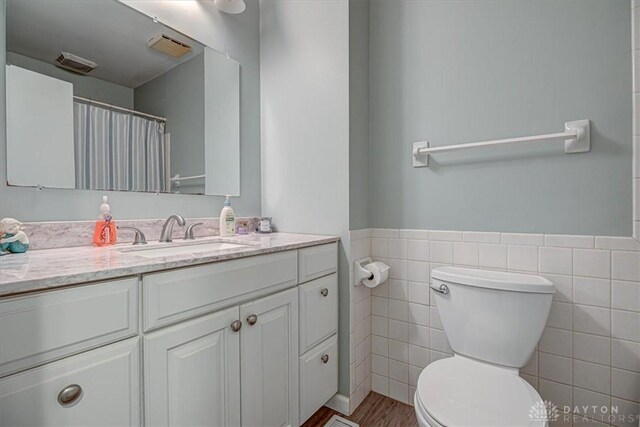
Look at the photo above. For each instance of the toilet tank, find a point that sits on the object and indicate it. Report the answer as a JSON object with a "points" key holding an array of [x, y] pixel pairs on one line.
{"points": [[493, 316]]}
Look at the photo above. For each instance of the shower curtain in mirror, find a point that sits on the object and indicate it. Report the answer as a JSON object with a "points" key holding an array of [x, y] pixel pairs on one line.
{"points": [[118, 151]]}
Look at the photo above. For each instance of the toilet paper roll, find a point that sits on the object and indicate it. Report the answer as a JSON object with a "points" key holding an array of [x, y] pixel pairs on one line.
{"points": [[380, 272]]}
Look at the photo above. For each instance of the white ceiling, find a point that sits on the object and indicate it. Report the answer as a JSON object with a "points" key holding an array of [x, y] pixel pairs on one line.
{"points": [[103, 31]]}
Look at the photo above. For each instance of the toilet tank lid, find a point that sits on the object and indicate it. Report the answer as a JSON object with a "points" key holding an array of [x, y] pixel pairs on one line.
{"points": [[515, 282]]}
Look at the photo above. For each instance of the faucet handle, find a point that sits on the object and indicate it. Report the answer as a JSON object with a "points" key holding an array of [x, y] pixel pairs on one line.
{"points": [[188, 234], [140, 238]]}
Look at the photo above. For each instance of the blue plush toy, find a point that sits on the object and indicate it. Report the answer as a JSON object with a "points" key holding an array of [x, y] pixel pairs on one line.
{"points": [[12, 238]]}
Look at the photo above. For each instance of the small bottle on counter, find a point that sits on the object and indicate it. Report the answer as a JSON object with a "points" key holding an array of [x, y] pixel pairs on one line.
{"points": [[105, 231], [227, 219]]}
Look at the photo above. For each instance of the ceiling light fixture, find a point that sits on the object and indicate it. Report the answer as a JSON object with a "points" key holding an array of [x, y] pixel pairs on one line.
{"points": [[230, 6]]}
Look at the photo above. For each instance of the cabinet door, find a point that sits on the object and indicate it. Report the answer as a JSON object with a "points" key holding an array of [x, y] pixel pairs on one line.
{"points": [[98, 387], [269, 365], [192, 373]]}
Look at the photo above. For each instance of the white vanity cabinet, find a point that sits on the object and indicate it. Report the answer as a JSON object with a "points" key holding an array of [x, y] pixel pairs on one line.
{"points": [[245, 342]]}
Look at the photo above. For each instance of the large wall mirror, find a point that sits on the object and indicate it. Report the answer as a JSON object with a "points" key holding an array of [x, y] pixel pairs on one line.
{"points": [[102, 97]]}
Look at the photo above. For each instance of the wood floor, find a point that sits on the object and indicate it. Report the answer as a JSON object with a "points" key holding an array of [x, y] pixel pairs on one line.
{"points": [[376, 411]]}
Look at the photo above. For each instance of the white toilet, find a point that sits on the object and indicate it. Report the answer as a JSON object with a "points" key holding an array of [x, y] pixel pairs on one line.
{"points": [[493, 321]]}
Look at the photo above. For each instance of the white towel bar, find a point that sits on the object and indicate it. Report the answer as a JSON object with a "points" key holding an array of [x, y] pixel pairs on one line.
{"points": [[576, 137]]}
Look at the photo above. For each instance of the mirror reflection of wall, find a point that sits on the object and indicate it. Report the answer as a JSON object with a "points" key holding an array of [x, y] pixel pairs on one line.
{"points": [[118, 101]]}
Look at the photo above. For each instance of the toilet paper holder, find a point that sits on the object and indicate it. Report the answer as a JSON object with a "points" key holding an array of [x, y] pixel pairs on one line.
{"points": [[360, 272]]}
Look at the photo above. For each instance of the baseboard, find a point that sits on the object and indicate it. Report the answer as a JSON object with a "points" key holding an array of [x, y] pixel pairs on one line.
{"points": [[339, 403]]}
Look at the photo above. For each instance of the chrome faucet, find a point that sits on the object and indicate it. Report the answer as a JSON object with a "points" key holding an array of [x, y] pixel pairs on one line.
{"points": [[167, 228]]}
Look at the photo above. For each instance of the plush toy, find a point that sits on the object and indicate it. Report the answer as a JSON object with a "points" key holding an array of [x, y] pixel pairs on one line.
{"points": [[12, 238]]}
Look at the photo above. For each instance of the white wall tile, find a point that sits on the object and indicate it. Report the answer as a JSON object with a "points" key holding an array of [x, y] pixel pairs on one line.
{"points": [[618, 243], [399, 391], [625, 325], [398, 289], [592, 376], [414, 234], [380, 384], [397, 248], [591, 291], [522, 258], [625, 355], [398, 331], [398, 310], [441, 252], [556, 260], [380, 365], [385, 232], [592, 348], [380, 247], [380, 346], [493, 256], [380, 326], [564, 286], [466, 254], [522, 239], [625, 295], [625, 384], [434, 318], [446, 235], [418, 356], [591, 320], [418, 271], [414, 373], [560, 315], [398, 371], [418, 250], [568, 241], [398, 269], [625, 265], [592, 263], [380, 306], [531, 367], [555, 368], [418, 314], [438, 341], [480, 237], [418, 293], [419, 335], [627, 412], [398, 351], [560, 394], [556, 341]]}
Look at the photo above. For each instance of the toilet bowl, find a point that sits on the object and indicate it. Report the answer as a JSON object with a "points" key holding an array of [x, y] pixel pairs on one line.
{"points": [[493, 321]]}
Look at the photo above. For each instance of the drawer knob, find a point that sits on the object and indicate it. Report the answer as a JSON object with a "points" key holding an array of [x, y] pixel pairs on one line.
{"points": [[236, 325], [69, 394], [325, 358], [324, 292], [252, 319]]}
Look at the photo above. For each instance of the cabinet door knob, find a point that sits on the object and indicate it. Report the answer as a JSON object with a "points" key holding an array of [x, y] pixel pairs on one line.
{"points": [[324, 292], [236, 325], [69, 394], [325, 358], [252, 319]]}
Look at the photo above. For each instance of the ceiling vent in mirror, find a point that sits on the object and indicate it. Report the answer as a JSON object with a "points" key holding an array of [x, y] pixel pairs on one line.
{"points": [[74, 63], [169, 45]]}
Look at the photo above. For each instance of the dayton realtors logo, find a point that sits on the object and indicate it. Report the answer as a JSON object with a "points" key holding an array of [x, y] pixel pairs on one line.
{"points": [[544, 411], [548, 411]]}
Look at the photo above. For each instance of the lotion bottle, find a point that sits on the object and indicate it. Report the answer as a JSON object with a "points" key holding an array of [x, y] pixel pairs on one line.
{"points": [[105, 231], [227, 219]]}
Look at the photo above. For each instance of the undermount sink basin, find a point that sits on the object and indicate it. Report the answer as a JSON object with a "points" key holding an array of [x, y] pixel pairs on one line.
{"points": [[195, 248]]}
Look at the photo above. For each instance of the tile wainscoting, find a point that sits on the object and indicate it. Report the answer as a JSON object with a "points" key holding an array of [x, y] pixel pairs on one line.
{"points": [[589, 353]]}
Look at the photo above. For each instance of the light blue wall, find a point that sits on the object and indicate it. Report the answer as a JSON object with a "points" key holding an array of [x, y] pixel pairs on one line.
{"points": [[359, 215], [178, 95], [237, 34], [464, 71], [86, 86]]}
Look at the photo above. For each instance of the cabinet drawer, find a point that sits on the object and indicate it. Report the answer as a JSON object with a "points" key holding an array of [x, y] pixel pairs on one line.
{"points": [[180, 294], [43, 327], [318, 379], [317, 261], [109, 382], [318, 310]]}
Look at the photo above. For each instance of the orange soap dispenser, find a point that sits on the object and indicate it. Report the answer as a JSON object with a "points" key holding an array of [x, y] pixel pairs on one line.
{"points": [[105, 232]]}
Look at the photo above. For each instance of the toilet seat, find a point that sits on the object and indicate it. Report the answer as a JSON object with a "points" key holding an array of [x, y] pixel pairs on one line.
{"points": [[459, 391]]}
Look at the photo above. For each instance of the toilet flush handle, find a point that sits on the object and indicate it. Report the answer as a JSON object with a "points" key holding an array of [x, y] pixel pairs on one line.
{"points": [[442, 289]]}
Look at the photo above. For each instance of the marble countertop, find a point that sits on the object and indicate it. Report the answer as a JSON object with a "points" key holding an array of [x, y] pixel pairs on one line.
{"points": [[51, 268]]}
